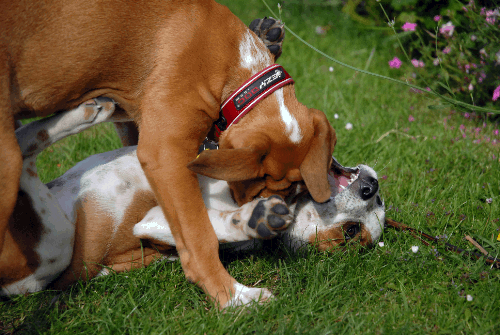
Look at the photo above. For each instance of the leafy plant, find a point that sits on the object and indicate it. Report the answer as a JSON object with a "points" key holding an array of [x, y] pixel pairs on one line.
{"points": [[462, 53]]}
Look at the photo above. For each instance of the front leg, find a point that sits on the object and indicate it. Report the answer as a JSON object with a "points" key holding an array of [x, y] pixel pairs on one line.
{"points": [[261, 219], [169, 138]]}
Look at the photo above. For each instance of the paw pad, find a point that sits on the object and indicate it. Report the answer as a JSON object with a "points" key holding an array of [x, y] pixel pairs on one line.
{"points": [[271, 32], [269, 216]]}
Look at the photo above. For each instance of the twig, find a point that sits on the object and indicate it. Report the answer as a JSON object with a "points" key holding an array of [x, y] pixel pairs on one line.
{"points": [[495, 262], [477, 245]]}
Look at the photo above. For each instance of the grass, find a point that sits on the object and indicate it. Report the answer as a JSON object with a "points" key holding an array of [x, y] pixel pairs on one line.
{"points": [[430, 177]]}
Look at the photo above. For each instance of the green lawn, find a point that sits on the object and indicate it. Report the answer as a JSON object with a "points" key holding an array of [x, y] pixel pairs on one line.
{"points": [[431, 178]]}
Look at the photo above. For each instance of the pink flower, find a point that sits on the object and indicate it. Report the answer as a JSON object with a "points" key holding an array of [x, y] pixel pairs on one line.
{"points": [[437, 18], [492, 15], [447, 29], [446, 50], [411, 118], [496, 93], [428, 89], [471, 87], [409, 26], [462, 127], [435, 62], [495, 132], [466, 115], [417, 63], [395, 63]]}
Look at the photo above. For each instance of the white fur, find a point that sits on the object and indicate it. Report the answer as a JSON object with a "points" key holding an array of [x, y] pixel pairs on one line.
{"points": [[251, 56], [291, 125], [244, 295]]}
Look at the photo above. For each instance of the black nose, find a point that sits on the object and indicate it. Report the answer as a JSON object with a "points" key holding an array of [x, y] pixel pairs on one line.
{"points": [[368, 186]]}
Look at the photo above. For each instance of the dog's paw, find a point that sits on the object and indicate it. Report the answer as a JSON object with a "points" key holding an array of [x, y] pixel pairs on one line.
{"points": [[244, 295], [271, 32], [268, 217]]}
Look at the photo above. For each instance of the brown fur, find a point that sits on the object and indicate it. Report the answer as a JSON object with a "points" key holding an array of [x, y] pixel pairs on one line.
{"points": [[24, 232], [334, 237], [97, 246], [169, 65]]}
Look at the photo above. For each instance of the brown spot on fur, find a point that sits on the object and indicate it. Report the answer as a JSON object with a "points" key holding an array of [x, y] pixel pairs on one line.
{"points": [[97, 245], [18, 259], [333, 237], [43, 211], [32, 147], [31, 172], [89, 112], [49, 195], [42, 135]]}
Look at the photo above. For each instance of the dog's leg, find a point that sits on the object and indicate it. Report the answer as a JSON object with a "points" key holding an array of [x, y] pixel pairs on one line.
{"points": [[260, 219], [229, 226], [11, 163], [165, 167], [56, 127], [166, 146]]}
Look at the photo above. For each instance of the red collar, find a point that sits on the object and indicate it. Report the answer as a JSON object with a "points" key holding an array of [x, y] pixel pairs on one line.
{"points": [[249, 94]]}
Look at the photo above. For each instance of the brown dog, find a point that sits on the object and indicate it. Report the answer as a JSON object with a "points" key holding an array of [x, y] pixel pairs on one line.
{"points": [[169, 65]]}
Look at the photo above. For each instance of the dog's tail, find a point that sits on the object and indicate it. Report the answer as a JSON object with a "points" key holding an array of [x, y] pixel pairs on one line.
{"points": [[34, 137]]}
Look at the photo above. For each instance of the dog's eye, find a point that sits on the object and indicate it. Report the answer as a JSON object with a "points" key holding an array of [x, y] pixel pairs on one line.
{"points": [[351, 231]]}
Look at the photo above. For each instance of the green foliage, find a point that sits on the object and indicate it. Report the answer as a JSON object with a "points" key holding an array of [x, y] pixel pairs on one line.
{"points": [[465, 61]]}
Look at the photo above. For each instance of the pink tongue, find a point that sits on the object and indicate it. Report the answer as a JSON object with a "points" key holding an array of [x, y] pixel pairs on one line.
{"points": [[342, 181]]}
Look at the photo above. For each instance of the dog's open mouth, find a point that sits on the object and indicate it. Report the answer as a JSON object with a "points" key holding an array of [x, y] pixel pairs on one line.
{"points": [[342, 177]]}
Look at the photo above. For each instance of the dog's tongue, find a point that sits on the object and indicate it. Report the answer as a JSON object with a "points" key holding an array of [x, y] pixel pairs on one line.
{"points": [[341, 181]]}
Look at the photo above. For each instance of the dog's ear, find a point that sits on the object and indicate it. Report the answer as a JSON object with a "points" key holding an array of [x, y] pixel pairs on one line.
{"points": [[229, 164], [315, 166]]}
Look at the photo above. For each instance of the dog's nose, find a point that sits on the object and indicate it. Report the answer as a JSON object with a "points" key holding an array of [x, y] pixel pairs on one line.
{"points": [[368, 186]]}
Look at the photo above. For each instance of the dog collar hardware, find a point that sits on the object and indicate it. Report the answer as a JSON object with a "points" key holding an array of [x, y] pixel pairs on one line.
{"points": [[249, 94], [207, 145]]}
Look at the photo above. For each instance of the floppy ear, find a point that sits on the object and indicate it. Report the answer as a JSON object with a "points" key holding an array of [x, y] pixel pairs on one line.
{"points": [[314, 169], [229, 164]]}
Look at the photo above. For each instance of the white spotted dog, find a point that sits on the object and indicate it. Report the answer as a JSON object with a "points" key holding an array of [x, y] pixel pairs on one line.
{"points": [[39, 237], [106, 205]]}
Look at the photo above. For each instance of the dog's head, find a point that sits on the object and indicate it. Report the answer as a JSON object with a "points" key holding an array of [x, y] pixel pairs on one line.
{"points": [[278, 144], [270, 154], [355, 211]]}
